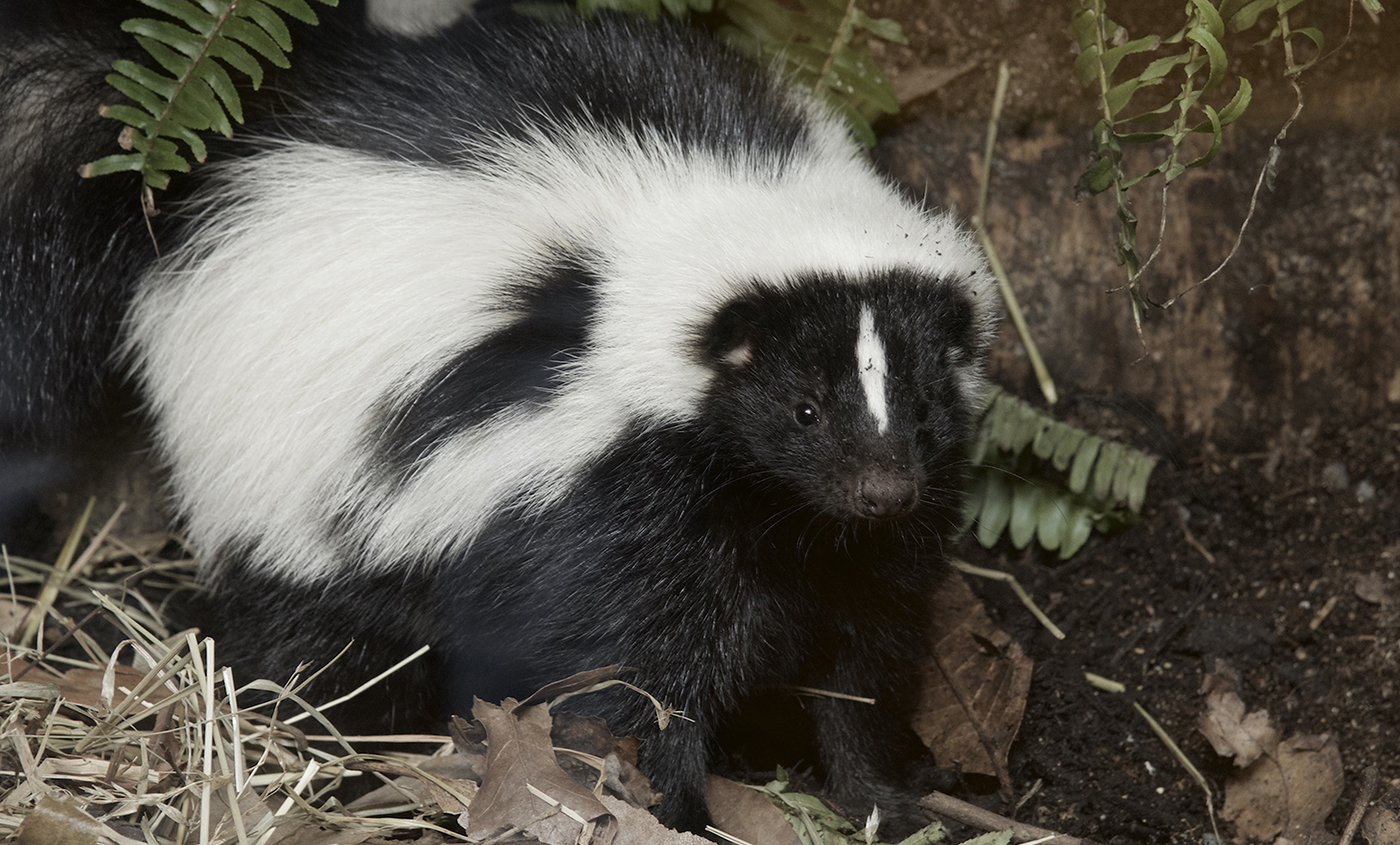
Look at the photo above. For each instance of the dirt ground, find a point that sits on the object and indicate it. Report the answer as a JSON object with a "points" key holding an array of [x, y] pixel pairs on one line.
{"points": [[1261, 559], [1274, 547]]}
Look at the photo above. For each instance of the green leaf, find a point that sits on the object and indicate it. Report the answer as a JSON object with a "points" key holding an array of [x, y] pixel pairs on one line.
{"points": [[166, 33], [1051, 521], [996, 837], [172, 129], [996, 510], [1079, 526], [175, 62], [1137, 484], [1315, 36], [1237, 104], [1083, 462], [1157, 69], [1209, 17], [1214, 50], [194, 17], [1098, 178], [933, 833], [1213, 125], [253, 37], [1025, 512], [1113, 56], [1086, 65], [132, 117], [269, 21], [1246, 16], [1122, 477], [1085, 27], [1048, 438], [118, 163], [149, 100], [1105, 467], [884, 28], [299, 9], [1066, 449], [1119, 95], [239, 58], [1229, 8]]}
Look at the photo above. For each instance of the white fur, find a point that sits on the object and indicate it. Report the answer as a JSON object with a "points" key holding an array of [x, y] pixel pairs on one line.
{"points": [[870, 361], [335, 280]]}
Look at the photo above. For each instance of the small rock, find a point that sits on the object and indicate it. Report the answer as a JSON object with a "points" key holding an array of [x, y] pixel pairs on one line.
{"points": [[1365, 492], [1370, 588], [1335, 476]]}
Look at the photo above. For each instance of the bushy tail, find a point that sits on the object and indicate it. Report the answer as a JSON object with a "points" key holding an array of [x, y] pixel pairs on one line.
{"points": [[71, 249]]}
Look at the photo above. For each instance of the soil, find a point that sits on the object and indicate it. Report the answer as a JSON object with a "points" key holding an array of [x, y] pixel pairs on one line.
{"points": [[1272, 544], [1260, 559]]}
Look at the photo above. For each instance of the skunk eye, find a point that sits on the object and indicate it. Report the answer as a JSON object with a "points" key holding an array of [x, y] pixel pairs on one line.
{"points": [[806, 414]]}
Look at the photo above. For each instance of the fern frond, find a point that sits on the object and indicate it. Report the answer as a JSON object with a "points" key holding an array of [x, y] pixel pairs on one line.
{"points": [[823, 45], [195, 92], [825, 48], [1038, 478]]}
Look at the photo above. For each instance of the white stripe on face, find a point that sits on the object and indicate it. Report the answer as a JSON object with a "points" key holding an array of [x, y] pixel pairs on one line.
{"points": [[870, 360]]}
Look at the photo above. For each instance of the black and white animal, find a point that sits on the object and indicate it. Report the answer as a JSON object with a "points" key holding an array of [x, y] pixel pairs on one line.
{"points": [[552, 345]]}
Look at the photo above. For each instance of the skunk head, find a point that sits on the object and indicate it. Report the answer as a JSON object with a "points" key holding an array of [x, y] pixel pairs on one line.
{"points": [[855, 397]]}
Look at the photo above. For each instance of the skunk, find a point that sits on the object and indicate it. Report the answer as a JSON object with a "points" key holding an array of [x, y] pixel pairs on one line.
{"points": [[554, 345]]}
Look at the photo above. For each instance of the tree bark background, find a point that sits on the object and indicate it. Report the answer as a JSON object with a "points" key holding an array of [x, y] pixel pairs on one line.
{"points": [[1303, 322]]}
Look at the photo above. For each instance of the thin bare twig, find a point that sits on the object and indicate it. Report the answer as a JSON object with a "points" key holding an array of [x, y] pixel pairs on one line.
{"points": [[1369, 779], [974, 816]]}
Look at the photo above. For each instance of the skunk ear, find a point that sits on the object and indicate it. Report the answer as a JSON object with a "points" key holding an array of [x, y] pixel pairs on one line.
{"points": [[734, 333]]}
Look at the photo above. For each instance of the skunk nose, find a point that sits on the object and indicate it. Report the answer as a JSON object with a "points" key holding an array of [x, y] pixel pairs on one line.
{"points": [[886, 494]]}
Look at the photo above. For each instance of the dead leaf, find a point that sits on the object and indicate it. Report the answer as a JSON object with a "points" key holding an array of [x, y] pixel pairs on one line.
{"points": [[469, 739], [584, 743], [84, 686], [915, 83], [1288, 792], [745, 813], [574, 684], [524, 786], [1381, 824], [77, 686], [591, 735], [450, 786], [977, 678], [1232, 732], [62, 821], [12, 616], [638, 827]]}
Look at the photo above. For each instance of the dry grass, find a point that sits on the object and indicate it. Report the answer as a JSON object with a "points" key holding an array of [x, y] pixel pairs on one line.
{"points": [[142, 737]]}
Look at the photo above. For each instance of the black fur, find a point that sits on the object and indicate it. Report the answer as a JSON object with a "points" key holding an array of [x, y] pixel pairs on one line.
{"points": [[772, 538], [523, 364], [721, 559]]}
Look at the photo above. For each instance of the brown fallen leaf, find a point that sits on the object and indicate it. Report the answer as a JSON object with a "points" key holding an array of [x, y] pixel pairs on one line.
{"points": [[1232, 732], [638, 827], [1289, 791], [12, 616], [584, 742], [1381, 824], [524, 786], [62, 821], [450, 786], [975, 686], [746, 814], [1284, 789]]}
